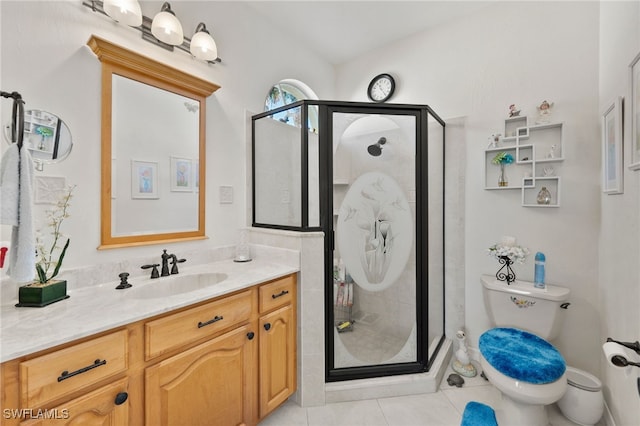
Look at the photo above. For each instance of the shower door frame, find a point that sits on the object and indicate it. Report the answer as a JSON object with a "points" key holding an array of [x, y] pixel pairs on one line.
{"points": [[421, 113]]}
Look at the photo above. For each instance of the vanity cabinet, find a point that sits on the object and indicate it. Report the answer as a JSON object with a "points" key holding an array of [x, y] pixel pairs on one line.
{"points": [[277, 344], [230, 360], [212, 384]]}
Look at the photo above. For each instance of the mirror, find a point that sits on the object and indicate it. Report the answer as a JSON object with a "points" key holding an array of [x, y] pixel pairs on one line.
{"points": [[46, 136], [153, 149]]}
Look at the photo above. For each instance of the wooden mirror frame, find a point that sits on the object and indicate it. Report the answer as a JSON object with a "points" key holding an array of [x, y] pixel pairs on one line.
{"points": [[123, 62]]}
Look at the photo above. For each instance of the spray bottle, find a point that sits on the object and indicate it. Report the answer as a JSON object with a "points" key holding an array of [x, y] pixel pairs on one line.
{"points": [[538, 280]]}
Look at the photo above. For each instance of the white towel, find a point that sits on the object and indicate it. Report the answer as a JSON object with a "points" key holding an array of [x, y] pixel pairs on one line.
{"points": [[22, 257], [9, 186]]}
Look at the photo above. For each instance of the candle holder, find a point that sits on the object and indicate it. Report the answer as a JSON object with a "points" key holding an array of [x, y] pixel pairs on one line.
{"points": [[505, 273]]}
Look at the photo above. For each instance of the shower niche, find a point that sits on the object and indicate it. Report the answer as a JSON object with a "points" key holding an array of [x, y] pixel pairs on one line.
{"points": [[371, 177]]}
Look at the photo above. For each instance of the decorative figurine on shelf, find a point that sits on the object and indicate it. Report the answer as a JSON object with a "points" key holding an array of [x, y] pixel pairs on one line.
{"points": [[494, 140], [548, 171], [462, 365], [552, 152], [544, 112], [544, 196], [513, 112]]}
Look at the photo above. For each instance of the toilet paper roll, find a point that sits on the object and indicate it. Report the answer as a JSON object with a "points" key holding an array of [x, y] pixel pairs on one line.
{"points": [[612, 349]]}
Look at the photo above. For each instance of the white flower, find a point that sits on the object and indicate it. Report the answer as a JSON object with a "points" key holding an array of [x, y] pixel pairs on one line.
{"points": [[515, 253]]}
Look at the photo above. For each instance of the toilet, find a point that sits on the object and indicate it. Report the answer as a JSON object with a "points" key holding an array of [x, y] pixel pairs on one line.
{"points": [[516, 356]]}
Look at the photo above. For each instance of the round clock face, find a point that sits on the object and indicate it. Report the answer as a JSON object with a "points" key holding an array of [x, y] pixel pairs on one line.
{"points": [[381, 88]]}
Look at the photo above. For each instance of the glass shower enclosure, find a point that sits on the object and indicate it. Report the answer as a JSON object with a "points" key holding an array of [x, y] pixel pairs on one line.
{"points": [[371, 177]]}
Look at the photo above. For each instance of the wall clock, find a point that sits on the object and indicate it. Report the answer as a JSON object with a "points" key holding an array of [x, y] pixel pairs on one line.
{"points": [[381, 88]]}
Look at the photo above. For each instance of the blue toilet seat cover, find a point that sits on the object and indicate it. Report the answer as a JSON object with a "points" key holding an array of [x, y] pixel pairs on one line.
{"points": [[522, 356]]}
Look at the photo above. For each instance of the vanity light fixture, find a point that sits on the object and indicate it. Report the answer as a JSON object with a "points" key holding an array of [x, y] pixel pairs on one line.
{"points": [[166, 27], [203, 46], [127, 12], [163, 30]]}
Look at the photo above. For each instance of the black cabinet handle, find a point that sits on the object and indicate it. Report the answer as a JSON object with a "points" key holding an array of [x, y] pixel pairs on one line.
{"points": [[121, 398], [282, 293], [250, 335], [267, 326], [65, 374], [211, 321]]}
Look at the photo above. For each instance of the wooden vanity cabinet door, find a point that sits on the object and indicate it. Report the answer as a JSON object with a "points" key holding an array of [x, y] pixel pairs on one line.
{"points": [[102, 407], [212, 384], [277, 358]]}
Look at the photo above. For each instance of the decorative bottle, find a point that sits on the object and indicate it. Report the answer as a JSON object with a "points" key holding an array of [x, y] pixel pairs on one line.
{"points": [[544, 196], [538, 280]]}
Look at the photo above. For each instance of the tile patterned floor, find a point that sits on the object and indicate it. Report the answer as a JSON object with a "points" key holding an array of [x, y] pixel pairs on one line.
{"points": [[444, 408]]}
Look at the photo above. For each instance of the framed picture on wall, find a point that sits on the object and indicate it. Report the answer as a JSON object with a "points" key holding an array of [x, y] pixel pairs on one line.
{"points": [[181, 174], [144, 180], [634, 71], [612, 148]]}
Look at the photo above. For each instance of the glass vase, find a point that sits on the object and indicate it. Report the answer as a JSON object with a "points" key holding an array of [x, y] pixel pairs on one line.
{"points": [[502, 177]]}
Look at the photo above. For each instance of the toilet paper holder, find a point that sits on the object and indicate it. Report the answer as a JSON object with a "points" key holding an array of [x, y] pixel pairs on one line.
{"points": [[619, 360], [631, 345]]}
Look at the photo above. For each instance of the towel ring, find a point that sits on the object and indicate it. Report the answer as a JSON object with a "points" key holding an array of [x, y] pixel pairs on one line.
{"points": [[17, 116]]}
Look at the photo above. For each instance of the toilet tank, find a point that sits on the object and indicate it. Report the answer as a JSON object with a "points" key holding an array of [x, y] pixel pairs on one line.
{"points": [[523, 306]]}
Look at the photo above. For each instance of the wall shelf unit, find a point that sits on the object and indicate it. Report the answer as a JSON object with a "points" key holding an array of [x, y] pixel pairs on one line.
{"points": [[538, 154]]}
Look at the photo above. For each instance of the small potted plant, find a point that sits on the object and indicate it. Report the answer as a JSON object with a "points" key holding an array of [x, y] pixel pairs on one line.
{"points": [[502, 158], [45, 290]]}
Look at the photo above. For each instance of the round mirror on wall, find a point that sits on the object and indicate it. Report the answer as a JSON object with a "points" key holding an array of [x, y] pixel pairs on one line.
{"points": [[46, 136]]}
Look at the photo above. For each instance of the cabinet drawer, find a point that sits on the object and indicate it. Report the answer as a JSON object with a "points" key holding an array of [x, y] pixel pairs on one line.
{"points": [[277, 293], [174, 331], [54, 375]]}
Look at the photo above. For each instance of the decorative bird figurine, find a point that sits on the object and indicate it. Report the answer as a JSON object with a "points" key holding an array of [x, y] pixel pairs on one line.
{"points": [[462, 364]]}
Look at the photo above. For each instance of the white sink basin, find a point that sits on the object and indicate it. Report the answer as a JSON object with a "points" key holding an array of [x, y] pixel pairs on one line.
{"points": [[176, 284]]}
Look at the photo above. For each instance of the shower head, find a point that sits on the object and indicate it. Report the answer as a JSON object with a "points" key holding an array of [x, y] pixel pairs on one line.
{"points": [[376, 148]]}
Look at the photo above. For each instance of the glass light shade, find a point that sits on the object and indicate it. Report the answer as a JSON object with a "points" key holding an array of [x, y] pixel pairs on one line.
{"points": [[203, 46], [127, 12], [166, 28]]}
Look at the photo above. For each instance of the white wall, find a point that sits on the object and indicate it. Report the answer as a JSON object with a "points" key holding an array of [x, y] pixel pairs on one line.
{"points": [[476, 66], [619, 273], [45, 58]]}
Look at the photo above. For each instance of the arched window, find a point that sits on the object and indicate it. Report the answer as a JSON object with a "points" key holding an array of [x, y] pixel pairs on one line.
{"points": [[287, 92]]}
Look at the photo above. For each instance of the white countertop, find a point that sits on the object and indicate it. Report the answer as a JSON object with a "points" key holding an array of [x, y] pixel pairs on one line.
{"points": [[97, 308]]}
